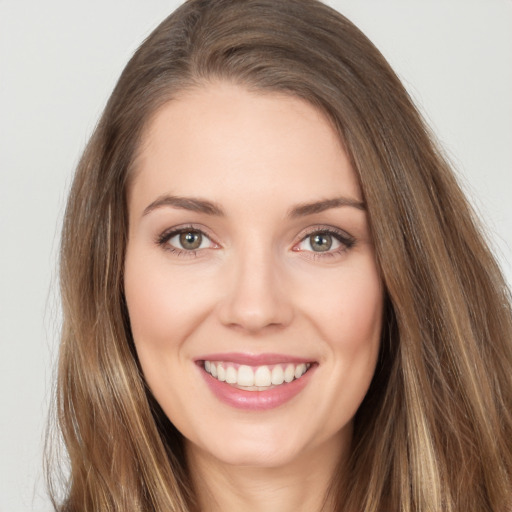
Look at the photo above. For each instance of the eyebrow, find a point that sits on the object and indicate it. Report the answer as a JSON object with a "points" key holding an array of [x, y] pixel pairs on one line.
{"points": [[210, 208], [185, 203], [304, 209]]}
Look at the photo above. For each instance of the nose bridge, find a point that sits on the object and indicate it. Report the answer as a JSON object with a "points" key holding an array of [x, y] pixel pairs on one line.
{"points": [[255, 296]]}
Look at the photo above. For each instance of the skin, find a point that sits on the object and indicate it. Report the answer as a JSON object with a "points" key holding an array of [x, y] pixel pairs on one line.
{"points": [[256, 285]]}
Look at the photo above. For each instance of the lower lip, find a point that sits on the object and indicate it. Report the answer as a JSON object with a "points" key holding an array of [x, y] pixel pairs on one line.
{"points": [[257, 400]]}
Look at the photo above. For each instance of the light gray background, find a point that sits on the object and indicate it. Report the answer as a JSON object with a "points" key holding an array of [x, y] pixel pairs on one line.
{"points": [[58, 63]]}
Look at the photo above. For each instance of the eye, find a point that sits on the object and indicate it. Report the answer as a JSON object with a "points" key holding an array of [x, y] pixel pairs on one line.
{"points": [[188, 240], [185, 240], [321, 242], [325, 241]]}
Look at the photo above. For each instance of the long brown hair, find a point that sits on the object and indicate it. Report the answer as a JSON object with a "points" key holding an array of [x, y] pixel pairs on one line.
{"points": [[434, 431]]}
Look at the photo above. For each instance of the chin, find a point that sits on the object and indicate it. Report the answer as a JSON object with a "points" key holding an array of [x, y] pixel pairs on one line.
{"points": [[256, 446], [255, 455]]}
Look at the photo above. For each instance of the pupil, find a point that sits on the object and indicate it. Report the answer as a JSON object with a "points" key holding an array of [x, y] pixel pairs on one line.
{"points": [[321, 242], [190, 240]]}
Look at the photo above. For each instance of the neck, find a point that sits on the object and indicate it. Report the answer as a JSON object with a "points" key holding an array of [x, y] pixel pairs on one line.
{"points": [[299, 486]]}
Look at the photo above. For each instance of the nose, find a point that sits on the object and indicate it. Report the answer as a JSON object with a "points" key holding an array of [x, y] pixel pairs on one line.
{"points": [[255, 297]]}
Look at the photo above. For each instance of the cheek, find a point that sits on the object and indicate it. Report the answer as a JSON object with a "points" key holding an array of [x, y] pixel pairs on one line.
{"points": [[163, 306], [348, 317], [348, 312]]}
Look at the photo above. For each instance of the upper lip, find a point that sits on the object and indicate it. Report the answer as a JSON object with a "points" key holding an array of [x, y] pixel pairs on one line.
{"points": [[253, 359]]}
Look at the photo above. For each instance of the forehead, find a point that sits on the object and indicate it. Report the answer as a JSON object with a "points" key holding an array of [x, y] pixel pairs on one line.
{"points": [[226, 142]]}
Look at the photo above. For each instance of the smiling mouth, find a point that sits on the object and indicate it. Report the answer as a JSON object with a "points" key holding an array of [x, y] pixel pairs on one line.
{"points": [[255, 378]]}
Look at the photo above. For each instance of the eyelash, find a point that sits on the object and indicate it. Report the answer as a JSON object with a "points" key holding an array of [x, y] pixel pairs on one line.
{"points": [[346, 241]]}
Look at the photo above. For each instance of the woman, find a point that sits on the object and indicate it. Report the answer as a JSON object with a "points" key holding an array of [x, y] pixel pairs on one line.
{"points": [[275, 294]]}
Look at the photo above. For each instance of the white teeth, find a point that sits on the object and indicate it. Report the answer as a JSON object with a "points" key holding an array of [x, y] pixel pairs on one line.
{"points": [[221, 373], [255, 378], [277, 375], [262, 376], [231, 375], [245, 376], [300, 370], [289, 373]]}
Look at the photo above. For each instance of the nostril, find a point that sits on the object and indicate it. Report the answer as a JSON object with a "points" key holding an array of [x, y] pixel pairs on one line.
{"points": [[253, 317]]}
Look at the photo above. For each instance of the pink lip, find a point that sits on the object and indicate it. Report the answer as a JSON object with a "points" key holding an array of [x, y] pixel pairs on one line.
{"points": [[255, 400]]}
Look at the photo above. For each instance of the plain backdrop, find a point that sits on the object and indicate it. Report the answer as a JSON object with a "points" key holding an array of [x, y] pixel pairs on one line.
{"points": [[59, 61]]}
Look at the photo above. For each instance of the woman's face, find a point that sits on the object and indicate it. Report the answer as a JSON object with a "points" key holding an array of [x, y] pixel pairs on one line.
{"points": [[252, 288]]}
